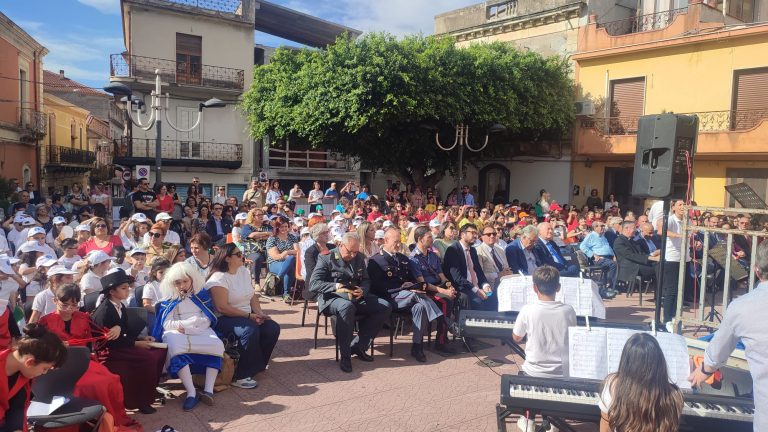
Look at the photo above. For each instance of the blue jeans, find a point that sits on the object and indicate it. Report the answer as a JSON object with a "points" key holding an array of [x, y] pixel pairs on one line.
{"points": [[255, 342], [286, 271], [258, 261]]}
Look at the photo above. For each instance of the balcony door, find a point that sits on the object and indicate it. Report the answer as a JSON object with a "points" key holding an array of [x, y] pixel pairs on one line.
{"points": [[627, 103], [189, 55], [189, 142]]}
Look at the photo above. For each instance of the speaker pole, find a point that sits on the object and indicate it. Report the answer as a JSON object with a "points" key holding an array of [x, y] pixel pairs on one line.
{"points": [[662, 256]]}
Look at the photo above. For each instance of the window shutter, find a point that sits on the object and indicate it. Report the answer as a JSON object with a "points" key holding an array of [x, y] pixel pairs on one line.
{"points": [[236, 190], [189, 44], [627, 104], [751, 97]]}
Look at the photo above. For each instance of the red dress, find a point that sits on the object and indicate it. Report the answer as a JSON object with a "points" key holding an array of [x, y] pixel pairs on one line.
{"points": [[98, 383], [6, 394]]}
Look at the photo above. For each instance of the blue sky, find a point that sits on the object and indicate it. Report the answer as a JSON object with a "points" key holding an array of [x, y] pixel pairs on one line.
{"points": [[81, 34]]}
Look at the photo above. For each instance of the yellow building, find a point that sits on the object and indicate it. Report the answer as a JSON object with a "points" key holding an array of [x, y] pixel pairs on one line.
{"points": [[65, 156], [688, 61]]}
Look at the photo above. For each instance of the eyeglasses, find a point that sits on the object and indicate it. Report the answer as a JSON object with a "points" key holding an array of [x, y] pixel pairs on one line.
{"points": [[237, 254], [156, 234], [100, 226], [68, 306], [490, 234]]}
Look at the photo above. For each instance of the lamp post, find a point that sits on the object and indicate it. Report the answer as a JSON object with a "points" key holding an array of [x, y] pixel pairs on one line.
{"points": [[461, 139], [155, 117]]}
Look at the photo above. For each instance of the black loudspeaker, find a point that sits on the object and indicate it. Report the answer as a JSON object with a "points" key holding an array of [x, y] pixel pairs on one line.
{"points": [[666, 144]]}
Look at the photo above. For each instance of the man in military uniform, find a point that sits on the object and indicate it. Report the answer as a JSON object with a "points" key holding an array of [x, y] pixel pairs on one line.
{"points": [[341, 283], [391, 278]]}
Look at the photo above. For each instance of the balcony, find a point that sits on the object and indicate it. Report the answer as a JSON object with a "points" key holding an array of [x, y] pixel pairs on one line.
{"points": [[32, 124], [141, 151], [719, 132], [315, 160], [67, 158], [179, 73], [642, 23]]}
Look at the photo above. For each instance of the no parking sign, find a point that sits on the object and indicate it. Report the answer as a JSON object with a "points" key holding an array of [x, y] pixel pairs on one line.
{"points": [[142, 172]]}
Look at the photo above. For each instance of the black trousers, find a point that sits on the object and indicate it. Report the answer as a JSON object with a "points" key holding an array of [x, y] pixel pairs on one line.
{"points": [[375, 311], [669, 289]]}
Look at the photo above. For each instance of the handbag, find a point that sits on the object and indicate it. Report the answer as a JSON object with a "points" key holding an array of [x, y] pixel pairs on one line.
{"points": [[228, 366]]}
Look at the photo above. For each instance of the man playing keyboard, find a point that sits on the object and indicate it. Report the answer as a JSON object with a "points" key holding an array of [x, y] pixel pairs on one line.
{"points": [[546, 323]]}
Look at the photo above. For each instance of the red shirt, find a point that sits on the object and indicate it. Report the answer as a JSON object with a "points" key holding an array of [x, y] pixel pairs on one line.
{"points": [[372, 216], [90, 245], [166, 204]]}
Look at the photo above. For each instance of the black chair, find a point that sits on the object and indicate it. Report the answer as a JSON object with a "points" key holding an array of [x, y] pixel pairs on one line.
{"points": [[61, 382], [638, 283], [333, 329], [89, 302], [590, 271]]}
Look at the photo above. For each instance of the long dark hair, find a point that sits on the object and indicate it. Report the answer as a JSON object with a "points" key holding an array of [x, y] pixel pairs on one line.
{"points": [[643, 399], [219, 262], [43, 345]]}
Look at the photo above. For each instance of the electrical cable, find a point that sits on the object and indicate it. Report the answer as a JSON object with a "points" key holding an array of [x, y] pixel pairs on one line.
{"points": [[478, 358]]}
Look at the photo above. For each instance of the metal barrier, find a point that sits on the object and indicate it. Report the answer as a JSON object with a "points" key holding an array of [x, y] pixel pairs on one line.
{"points": [[728, 264]]}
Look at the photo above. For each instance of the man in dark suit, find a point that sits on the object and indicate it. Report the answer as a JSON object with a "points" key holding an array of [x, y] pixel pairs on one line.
{"points": [[632, 260], [470, 281], [391, 279], [612, 231], [548, 252], [218, 226], [648, 241], [520, 255]]}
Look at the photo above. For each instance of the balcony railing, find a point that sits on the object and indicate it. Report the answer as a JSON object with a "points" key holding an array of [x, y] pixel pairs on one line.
{"points": [[33, 124], [179, 153], [306, 159], [642, 23], [184, 73], [67, 156], [709, 121], [229, 6]]}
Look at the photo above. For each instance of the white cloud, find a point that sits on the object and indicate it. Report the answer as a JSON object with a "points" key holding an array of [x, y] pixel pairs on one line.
{"points": [[29, 26], [103, 6]]}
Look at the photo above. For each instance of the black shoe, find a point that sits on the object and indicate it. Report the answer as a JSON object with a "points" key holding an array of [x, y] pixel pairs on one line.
{"points": [[608, 294], [445, 348], [454, 329], [345, 364], [362, 355], [147, 410], [418, 353]]}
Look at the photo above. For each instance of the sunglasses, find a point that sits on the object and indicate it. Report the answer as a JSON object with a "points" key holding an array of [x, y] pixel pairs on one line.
{"points": [[490, 234], [237, 254], [156, 234], [100, 226]]}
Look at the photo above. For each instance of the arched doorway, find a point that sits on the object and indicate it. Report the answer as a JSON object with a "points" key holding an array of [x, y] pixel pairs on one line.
{"points": [[494, 184]]}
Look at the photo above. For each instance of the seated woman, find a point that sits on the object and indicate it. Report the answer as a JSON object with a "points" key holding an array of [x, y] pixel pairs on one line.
{"points": [[133, 358], [240, 314], [74, 327], [100, 239], [184, 322], [282, 248], [33, 355]]}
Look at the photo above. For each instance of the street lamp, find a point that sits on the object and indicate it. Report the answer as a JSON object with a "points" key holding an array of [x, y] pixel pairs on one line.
{"points": [[462, 140], [155, 118]]}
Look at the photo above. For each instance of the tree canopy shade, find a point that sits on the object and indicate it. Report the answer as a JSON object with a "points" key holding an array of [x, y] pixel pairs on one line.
{"points": [[370, 98]]}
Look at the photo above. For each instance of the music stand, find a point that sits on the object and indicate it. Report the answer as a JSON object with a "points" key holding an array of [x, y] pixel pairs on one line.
{"points": [[747, 198]]}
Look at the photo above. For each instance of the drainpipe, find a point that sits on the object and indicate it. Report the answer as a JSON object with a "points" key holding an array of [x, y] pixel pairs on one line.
{"points": [[36, 88]]}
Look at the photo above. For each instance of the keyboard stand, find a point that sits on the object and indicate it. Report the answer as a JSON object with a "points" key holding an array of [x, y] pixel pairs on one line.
{"points": [[503, 413], [517, 349]]}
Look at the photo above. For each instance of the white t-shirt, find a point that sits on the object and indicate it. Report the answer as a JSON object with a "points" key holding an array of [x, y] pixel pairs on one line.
{"points": [[152, 292], [238, 285], [673, 252], [546, 324], [17, 237], [315, 195], [90, 282], [8, 287], [69, 262], [44, 303], [33, 288], [4, 247]]}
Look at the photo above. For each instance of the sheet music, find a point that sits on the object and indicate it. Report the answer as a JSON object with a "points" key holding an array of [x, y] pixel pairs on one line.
{"points": [[587, 352], [676, 354], [616, 339], [582, 294], [512, 292]]}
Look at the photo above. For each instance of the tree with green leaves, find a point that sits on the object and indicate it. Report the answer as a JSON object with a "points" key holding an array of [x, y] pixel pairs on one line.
{"points": [[371, 98]]}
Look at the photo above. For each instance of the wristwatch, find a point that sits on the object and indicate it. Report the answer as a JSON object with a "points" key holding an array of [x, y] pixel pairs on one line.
{"points": [[704, 371]]}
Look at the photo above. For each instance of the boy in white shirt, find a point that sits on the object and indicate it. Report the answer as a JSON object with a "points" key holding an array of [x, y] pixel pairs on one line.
{"points": [[546, 323]]}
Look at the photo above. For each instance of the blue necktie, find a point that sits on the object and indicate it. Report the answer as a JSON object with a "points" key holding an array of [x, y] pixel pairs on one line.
{"points": [[552, 251]]}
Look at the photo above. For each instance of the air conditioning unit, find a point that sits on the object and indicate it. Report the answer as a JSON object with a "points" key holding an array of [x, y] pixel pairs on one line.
{"points": [[584, 108]]}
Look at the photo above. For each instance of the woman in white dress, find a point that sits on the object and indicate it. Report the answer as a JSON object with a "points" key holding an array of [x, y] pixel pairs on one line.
{"points": [[184, 322]]}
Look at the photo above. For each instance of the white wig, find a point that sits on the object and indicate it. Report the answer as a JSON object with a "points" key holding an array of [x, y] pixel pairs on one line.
{"points": [[179, 271]]}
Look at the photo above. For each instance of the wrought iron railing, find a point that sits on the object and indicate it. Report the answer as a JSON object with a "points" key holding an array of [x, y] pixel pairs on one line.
{"points": [[308, 159], [187, 73], [709, 121], [58, 155], [229, 6], [172, 149], [642, 23], [33, 123]]}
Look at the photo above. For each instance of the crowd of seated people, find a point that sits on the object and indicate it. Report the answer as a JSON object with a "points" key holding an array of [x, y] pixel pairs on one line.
{"points": [[197, 274]]}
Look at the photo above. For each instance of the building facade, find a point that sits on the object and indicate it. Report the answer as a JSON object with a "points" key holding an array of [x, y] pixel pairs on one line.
{"points": [[692, 60], [22, 121], [65, 154]]}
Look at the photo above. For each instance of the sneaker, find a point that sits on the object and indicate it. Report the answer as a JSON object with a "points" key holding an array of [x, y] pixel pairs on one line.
{"points": [[525, 424], [246, 383], [670, 327]]}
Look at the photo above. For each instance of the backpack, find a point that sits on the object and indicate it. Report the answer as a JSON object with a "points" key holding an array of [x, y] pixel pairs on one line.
{"points": [[271, 285]]}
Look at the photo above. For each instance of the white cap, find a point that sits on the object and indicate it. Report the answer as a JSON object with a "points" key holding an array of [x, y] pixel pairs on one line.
{"points": [[28, 221], [59, 220], [335, 211], [163, 216], [5, 266], [19, 218], [83, 227], [36, 230], [139, 250], [298, 221], [46, 261], [387, 224], [358, 217], [32, 246], [434, 223], [379, 234], [241, 216], [338, 218], [59, 270], [379, 219], [139, 217], [357, 223], [98, 257], [304, 231]]}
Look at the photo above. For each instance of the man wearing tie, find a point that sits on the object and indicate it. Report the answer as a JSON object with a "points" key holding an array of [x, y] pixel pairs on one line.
{"points": [[519, 253], [646, 241], [491, 257], [462, 267], [631, 258], [548, 252]]}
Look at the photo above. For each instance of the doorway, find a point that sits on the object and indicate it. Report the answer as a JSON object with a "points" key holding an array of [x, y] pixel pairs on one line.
{"points": [[618, 181], [494, 185]]}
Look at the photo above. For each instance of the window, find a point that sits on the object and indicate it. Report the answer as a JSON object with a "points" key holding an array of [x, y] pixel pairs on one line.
{"points": [[750, 99], [188, 58], [627, 104], [189, 150], [743, 10], [502, 10]]}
